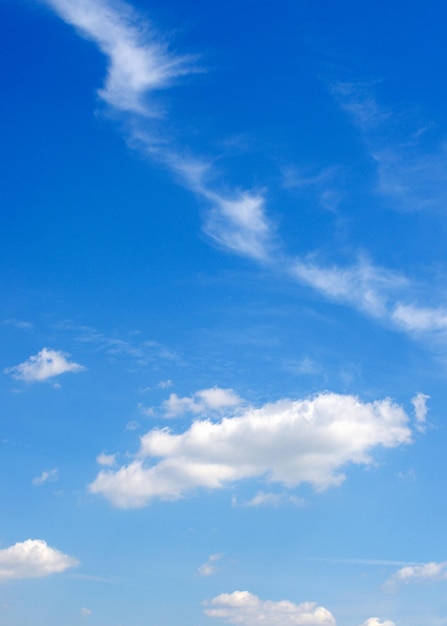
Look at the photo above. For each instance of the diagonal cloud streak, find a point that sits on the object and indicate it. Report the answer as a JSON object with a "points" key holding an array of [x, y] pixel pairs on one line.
{"points": [[141, 64]]}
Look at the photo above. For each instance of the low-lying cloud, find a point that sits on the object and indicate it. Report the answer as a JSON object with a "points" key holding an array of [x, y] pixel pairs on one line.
{"points": [[44, 365], [242, 607], [288, 442], [33, 558]]}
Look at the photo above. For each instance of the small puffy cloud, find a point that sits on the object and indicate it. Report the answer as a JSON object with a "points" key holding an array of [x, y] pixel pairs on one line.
{"points": [[375, 621], [424, 572], [45, 364], [209, 568], [147, 411], [132, 425], [107, 460], [85, 612], [33, 558], [420, 410], [287, 442], [242, 607], [164, 384], [213, 399], [49, 476]]}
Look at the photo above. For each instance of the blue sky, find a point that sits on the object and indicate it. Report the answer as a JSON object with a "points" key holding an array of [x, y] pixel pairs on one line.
{"points": [[224, 313]]}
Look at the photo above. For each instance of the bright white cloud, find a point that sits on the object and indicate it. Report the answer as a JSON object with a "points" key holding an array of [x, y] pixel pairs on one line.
{"points": [[46, 364], [242, 607], [46, 476], [420, 410], [139, 63], [287, 442], [33, 558], [375, 621], [417, 573], [139, 66], [203, 401], [209, 568]]}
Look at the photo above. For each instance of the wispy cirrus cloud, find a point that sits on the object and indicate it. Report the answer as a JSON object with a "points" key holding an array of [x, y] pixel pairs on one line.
{"points": [[287, 442], [45, 364], [411, 167], [139, 61], [47, 476], [141, 65], [33, 558], [247, 609]]}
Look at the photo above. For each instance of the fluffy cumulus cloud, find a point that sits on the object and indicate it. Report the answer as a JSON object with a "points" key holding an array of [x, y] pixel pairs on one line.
{"points": [[242, 607], [287, 442], [44, 365], [424, 572], [33, 558], [206, 400]]}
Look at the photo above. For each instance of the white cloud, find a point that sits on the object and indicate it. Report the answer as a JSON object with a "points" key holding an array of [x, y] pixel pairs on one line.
{"points": [[419, 319], [46, 364], [273, 499], [242, 607], [164, 384], [140, 65], [46, 476], [417, 573], [240, 224], [108, 460], [375, 621], [363, 286], [213, 399], [33, 558], [420, 410], [209, 568], [139, 62], [85, 612], [287, 442]]}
